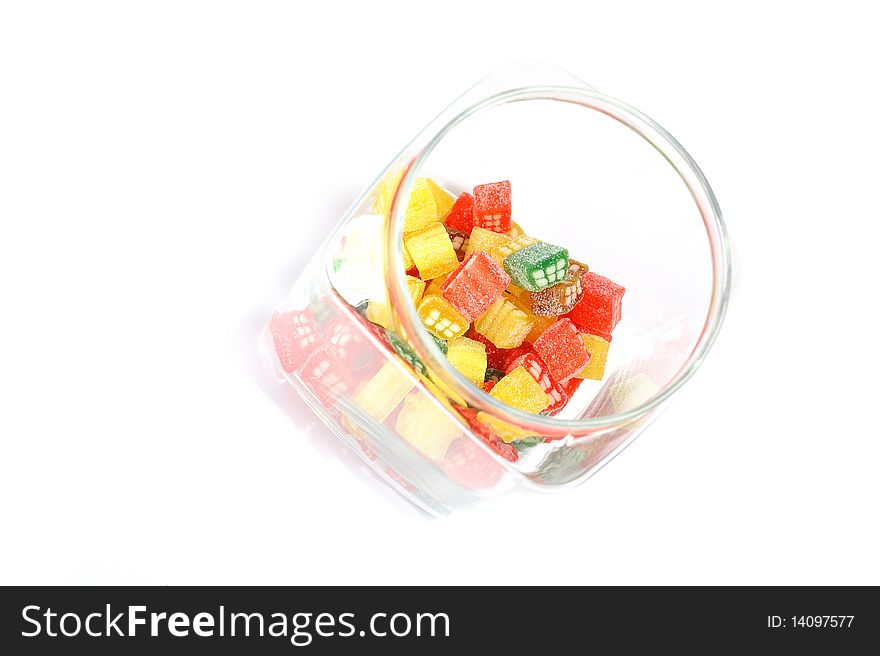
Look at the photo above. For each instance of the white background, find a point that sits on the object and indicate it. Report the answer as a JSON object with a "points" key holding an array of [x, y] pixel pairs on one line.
{"points": [[165, 170]]}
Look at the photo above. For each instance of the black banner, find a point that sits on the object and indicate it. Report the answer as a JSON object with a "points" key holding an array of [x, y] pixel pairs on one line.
{"points": [[333, 620]]}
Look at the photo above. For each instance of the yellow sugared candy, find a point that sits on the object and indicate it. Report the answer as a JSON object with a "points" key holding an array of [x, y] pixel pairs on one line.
{"points": [[483, 240], [505, 325], [539, 325], [407, 259], [416, 288], [598, 350], [523, 302], [468, 356], [506, 431], [520, 390], [501, 251], [386, 189], [515, 230], [432, 251], [425, 426], [380, 311], [435, 285], [428, 203], [384, 391], [441, 319]]}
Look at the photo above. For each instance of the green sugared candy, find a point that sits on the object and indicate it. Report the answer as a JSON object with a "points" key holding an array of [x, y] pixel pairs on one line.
{"points": [[538, 266], [441, 344], [405, 351]]}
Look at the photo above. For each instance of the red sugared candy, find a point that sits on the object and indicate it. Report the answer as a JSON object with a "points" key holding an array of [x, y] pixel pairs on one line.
{"points": [[599, 310], [499, 446], [562, 350], [541, 374], [492, 206], [461, 216], [475, 285], [323, 375], [295, 336]]}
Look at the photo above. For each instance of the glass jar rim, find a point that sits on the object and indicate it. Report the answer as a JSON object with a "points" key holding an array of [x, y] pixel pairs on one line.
{"points": [[410, 324]]}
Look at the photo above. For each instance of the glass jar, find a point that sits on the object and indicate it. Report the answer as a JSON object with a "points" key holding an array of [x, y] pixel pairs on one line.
{"points": [[588, 172]]}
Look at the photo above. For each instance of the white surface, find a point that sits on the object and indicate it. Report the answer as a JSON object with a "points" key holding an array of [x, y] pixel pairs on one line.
{"points": [[166, 168]]}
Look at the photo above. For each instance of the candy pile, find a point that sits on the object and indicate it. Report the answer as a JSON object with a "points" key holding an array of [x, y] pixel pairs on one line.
{"points": [[513, 314]]}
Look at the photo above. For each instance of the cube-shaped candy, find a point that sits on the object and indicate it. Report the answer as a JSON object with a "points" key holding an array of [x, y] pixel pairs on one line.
{"points": [[379, 311], [468, 356], [502, 251], [561, 297], [406, 352], [539, 371], [492, 206], [441, 319], [571, 386], [539, 325], [428, 203], [484, 240], [441, 344], [562, 350], [384, 391], [435, 285], [520, 390], [505, 325], [295, 336], [493, 441], [460, 241], [461, 216], [515, 230], [600, 308], [323, 375], [598, 350], [475, 285], [426, 426], [432, 251], [538, 266]]}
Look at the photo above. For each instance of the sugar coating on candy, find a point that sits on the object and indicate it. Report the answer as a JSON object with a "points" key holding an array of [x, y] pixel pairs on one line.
{"points": [[484, 240], [539, 325], [515, 230], [435, 285], [432, 251], [493, 441], [441, 344], [460, 241], [425, 426], [539, 371], [505, 325], [538, 266], [492, 206], [407, 259], [597, 347], [382, 393], [468, 356], [502, 251], [385, 190], [461, 216], [562, 350], [428, 203], [405, 351], [506, 431], [475, 285], [416, 288], [601, 307], [379, 312], [520, 390], [324, 377], [441, 319], [295, 336], [561, 297]]}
